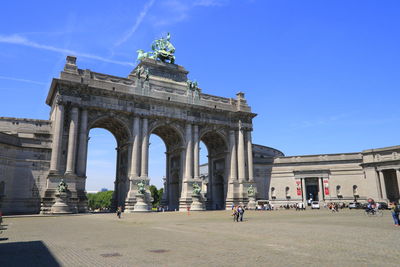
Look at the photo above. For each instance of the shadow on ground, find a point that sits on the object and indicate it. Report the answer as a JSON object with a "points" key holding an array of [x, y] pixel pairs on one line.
{"points": [[33, 253]]}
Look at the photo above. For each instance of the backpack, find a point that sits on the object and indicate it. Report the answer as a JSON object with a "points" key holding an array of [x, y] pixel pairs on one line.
{"points": [[397, 209]]}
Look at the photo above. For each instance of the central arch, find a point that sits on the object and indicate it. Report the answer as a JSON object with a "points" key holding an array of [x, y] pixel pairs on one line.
{"points": [[173, 140]]}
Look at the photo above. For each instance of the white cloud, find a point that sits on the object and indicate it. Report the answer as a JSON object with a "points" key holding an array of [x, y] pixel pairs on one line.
{"points": [[21, 80], [20, 40], [135, 26]]}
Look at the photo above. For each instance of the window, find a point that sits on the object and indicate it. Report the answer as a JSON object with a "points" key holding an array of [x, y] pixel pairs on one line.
{"points": [[273, 196], [287, 192]]}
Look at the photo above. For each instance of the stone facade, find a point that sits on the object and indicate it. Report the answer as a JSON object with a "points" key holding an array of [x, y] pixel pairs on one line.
{"points": [[345, 177], [131, 109], [25, 150]]}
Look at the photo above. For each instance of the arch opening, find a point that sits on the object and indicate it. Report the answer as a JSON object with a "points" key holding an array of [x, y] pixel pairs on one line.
{"points": [[172, 183], [157, 168], [216, 145], [108, 159]]}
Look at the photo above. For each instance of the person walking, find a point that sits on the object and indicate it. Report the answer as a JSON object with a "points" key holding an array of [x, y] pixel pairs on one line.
{"points": [[395, 209], [240, 211], [235, 214], [119, 211]]}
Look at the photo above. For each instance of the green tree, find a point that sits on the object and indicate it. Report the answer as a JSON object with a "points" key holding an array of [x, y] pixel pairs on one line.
{"points": [[154, 195], [100, 200]]}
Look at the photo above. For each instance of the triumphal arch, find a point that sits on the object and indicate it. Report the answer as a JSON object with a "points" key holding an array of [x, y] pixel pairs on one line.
{"points": [[155, 98]]}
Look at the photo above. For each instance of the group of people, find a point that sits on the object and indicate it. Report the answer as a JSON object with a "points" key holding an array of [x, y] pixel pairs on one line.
{"points": [[300, 206], [237, 213], [334, 207]]}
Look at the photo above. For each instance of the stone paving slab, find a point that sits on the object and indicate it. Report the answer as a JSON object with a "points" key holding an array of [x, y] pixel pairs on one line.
{"points": [[265, 238]]}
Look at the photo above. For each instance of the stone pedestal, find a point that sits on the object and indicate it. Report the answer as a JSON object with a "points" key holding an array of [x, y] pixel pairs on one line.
{"points": [[251, 205], [61, 206], [197, 203], [141, 205]]}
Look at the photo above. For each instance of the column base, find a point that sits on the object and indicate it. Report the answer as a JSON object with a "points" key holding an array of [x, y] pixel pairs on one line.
{"points": [[251, 205], [184, 204], [129, 204], [141, 203], [197, 203], [61, 206]]}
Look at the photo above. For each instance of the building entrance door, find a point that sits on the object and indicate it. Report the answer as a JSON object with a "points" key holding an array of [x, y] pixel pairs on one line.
{"points": [[311, 190], [391, 185]]}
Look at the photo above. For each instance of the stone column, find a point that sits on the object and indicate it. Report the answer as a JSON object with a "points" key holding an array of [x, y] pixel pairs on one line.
{"points": [[196, 152], [145, 150], [383, 186], [56, 147], [398, 178], [250, 157], [303, 190], [241, 156], [83, 138], [230, 195], [130, 200], [321, 188], [189, 153], [135, 159], [241, 163], [72, 140], [184, 201]]}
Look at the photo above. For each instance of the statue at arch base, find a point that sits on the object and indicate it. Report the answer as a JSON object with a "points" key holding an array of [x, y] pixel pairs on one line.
{"points": [[143, 201], [197, 199], [61, 206], [251, 193]]}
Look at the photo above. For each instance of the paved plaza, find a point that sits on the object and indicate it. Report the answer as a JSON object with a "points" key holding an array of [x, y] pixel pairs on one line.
{"points": [[265, 238]]}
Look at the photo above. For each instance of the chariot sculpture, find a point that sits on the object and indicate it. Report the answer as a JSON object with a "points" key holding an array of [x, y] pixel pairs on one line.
{"points": [[162, 49]]}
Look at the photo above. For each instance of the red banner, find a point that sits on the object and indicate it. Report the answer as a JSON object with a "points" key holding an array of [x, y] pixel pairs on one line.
{"points": [[326, 187], [298, 187]]}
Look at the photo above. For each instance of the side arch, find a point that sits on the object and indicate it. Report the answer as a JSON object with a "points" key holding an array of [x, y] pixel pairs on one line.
{"points": [[217, 144]]}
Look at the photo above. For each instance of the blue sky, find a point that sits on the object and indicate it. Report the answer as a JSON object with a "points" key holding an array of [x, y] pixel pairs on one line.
{"points": [[323, 76]]}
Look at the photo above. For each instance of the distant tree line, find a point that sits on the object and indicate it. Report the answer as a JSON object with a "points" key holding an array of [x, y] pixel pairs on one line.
{"points": [[102, 200]]}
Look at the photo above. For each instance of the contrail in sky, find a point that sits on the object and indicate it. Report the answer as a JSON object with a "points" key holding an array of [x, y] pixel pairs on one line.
{"points": [[21, 80], [20, 40], [135, 26]]}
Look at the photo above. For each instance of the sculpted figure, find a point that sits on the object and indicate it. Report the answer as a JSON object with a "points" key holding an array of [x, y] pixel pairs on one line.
{"points": [[196, 189], [141, 188], [141, 71], [146, 74], [192, 85], [162, 50], [62, 187], [251, 191], [142, 54]]}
